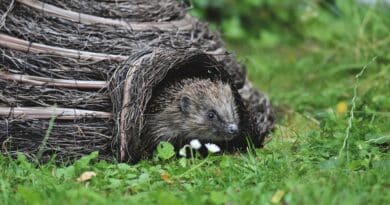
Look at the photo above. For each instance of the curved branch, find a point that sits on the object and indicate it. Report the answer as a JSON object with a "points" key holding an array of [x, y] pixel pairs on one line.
{"points": [[182, 24]]}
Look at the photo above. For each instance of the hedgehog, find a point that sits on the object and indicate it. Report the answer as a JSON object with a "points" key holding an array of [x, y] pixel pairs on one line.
{"points": [[191, 109]]}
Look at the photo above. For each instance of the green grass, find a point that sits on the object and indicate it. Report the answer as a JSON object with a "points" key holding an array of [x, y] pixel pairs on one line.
{"points": [[303, 162]]}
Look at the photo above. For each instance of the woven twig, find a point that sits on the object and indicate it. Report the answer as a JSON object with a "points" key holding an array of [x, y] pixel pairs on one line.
{"points": [[26, 46], [183, 24], [78, 84], [48, 112], [134, 10]]}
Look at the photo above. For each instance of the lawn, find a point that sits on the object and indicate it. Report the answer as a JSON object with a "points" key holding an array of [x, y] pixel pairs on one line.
{"points": [[328, 77]]}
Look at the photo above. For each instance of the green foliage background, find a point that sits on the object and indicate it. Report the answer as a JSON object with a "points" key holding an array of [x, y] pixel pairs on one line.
{"points": [[305, 55]]}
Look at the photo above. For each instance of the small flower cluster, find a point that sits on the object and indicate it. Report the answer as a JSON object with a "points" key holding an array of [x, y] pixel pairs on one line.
{"points": [[195, 144]]}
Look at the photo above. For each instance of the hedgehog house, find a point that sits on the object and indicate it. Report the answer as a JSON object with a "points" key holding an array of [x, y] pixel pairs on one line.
{"points": [[77, 76]]}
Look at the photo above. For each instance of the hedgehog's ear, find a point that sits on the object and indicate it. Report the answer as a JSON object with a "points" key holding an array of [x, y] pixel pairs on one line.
{"points": [[185, 104]]}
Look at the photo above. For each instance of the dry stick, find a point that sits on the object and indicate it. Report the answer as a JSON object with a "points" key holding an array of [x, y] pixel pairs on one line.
{"points": [[218, 52], [26, 46], [351, 112], [123, 115], [50, 10], [48, 113], [125, 105], [34, 80], [4, 16]]}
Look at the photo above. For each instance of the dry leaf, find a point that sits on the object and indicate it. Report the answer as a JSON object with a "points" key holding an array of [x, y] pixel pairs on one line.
{"points": [[277, 196], [165, 176], [86, 176]]}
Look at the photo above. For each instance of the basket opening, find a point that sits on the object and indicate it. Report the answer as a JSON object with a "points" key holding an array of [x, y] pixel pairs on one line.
{"points": [[201, 66], [206, 67]]}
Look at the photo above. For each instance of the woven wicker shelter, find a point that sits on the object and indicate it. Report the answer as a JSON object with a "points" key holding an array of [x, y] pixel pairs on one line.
{"points": [[77, 76]]}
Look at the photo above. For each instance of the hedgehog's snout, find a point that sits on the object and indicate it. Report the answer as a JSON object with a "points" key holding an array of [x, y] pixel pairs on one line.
{"points": [[232, 129]]}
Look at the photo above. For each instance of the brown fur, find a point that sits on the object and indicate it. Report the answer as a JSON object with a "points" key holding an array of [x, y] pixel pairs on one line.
{"points": [[178, 121]]}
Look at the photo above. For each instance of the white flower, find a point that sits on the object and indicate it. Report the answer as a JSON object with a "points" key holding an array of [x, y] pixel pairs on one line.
{"points": [[213, 148], [183, 151], [195, 144]]}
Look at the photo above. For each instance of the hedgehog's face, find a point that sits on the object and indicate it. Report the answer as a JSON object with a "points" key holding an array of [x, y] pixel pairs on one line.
{"points": [[211, 116]]}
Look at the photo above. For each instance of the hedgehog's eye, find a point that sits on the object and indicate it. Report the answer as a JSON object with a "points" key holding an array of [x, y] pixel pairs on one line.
{"points": [[211, 115]]}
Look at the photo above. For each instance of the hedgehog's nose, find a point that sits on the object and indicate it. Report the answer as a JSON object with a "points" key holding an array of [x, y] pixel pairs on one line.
{"points": [[232, 129]]}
